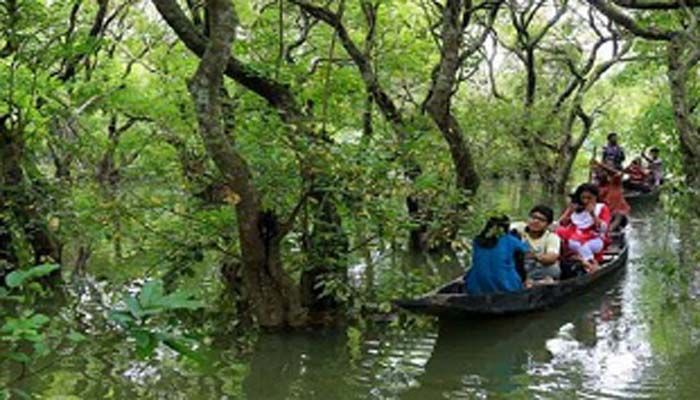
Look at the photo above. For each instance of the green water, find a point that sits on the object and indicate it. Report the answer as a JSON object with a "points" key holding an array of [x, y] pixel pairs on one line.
{"points": [[632, 337]]}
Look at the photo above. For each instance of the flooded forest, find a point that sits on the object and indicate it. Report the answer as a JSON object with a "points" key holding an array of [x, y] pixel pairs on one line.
{"points": [[228, 199]]}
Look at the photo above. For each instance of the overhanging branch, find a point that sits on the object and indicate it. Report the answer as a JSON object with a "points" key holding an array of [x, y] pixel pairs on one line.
{"points": [[619, 17]]}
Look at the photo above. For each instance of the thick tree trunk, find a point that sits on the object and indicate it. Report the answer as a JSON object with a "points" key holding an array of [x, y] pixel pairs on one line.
{"points": [[18, 196], [273, 296], [456, 16], [439, 102], [279, 96], [8, 155], [8, 258], [684, 55]]}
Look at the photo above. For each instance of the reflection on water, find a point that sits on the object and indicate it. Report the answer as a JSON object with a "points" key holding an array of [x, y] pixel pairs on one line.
{"points": [[623, 339]]}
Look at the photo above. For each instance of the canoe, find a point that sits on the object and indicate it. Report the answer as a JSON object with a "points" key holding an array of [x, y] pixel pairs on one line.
{"points": [[450, 301]]}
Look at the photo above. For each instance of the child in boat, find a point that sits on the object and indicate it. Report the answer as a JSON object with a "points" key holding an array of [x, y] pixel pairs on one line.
{"points": [[543, 264], [494, 253], [584, 225]]}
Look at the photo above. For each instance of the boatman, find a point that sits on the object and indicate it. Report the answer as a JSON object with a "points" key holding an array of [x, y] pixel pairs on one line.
{"points": [[613, 152]]}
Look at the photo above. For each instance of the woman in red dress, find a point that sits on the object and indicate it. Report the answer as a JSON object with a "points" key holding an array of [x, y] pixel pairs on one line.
{"points": [[611, 193]]}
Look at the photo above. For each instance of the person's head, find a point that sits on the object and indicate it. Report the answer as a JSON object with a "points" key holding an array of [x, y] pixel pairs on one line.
{"points": [[540, 218], [602, 175], [654, 152], [612, 138], [585, 195], [495, 227]]}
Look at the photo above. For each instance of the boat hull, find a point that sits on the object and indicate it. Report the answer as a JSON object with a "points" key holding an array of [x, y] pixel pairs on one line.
{"points": [[451, 302], [634, 198]]}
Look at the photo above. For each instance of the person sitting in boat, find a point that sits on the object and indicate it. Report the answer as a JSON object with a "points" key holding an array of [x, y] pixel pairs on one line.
{"points": [[612, 194], [655, 166], [637, 177], [584, 225], [613, 152], [542, 266], [494, 253]]}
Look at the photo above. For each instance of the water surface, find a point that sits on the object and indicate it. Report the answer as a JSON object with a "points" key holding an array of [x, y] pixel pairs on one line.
{"points": [[631, 337]]}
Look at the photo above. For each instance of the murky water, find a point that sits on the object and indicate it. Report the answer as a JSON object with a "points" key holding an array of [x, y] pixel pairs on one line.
{"points": [[631, 337]]}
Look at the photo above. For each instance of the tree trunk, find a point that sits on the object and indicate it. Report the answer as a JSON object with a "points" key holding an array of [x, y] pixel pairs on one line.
{"points": [[18, 196], [439, 102], [8, 258], [683, 55], [8, 153], [563, 171], [273, 296]]}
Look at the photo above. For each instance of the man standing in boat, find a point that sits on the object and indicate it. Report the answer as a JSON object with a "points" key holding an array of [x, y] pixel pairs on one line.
{"points": [[613, 153], [542, 264]]}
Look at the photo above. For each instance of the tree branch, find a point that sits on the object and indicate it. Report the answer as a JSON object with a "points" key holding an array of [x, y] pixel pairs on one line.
{"points": [[619, 17], [383, 100], [657, 4], [276, 94]]}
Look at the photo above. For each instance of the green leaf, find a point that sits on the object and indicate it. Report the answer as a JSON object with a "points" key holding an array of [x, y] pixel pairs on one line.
{"points": [[18, 278], [180, 346], [146, 342], [5, 295], [151, 293], [134, 307], [19, 357], [21, 394], [40, 348], [39, 319], [122, 318], [74, 336], [179, 300]]}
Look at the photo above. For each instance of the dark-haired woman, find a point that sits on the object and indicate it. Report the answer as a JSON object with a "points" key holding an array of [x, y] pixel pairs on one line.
{"points": [[584, 225], [493, 260], [612, 194]]}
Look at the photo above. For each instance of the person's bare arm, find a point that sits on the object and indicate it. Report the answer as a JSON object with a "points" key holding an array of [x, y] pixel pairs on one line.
{"points": [[606, 167], [547, 258], [565, 218]]}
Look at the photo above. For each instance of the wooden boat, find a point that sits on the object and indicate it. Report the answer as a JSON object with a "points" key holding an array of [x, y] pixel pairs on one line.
{"points": [[450, 300], [639, 197]]}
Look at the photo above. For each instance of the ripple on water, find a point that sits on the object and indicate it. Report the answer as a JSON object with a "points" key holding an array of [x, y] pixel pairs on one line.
{"points": [[391, 364]]}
